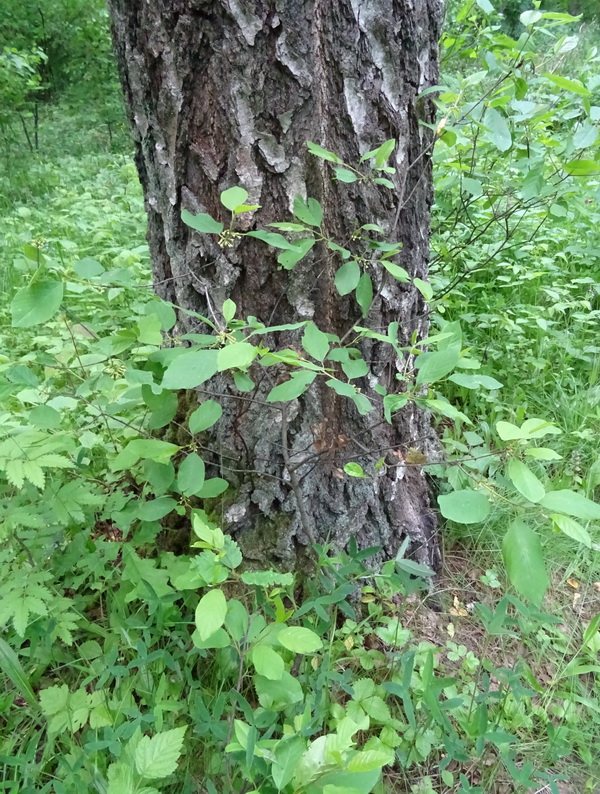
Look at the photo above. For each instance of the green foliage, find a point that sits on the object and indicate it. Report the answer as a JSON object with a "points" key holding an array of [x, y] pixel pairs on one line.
{"points": [[129, 669]]}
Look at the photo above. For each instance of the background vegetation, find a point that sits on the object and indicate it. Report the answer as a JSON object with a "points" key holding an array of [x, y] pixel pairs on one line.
{"points": [[127, 668]]}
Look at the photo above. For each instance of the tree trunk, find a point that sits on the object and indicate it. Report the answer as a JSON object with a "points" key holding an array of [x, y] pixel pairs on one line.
{"points": [[223, 93]]}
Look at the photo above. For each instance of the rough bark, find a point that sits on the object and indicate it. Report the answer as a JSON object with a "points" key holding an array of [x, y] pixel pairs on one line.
{"points": [[225, 92]]}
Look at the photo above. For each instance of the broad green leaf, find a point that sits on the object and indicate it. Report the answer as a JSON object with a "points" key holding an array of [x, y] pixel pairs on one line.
{"points": [[288, 752], [542, 453], [288, 259], [435, 366], [155, 509], [485, 6], [464, 507], [399, 273], [210, 613], [267, 662], [572, 504], [190, 477], [234, 197], [190, 369], [367, 760], [571, 528], [344, 175], [499, 131], [205, 416], [318, 151], [146, 448], [309, 211], [574, 86], [347, 277], [228, 310], [538, 428], [202, 222], [292, 388], [88, 268], [524, 560], [212, 488], [586, 136], [36, 303], [354, 470], [299, 639], [582, 167], [530, 17], [277, 695], [424, 288], [525, 480], [364, 293], [273, 239], [238, 355], [315, 342], [157, 757]]}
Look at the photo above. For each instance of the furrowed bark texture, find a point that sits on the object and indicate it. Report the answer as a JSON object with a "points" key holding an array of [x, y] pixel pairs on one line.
{"points": [[227, 92]]}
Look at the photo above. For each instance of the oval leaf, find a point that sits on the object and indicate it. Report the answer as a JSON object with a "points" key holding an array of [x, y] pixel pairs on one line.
{"points": [[524, 560], [299, 639], [525, 480], [464, 507], [210, 613]]}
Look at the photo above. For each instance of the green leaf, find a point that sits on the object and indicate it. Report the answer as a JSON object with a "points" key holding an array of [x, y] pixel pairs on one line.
{"points": [[299, 639], [364, 293], [582, 167], [190, 477], [292, 388], [12, 669], [315, 342], [233, 197], [210, 613], [464, 507], [399, 273], [238, 355], [273, 239], [146, 448], [347, 277], [525, 480], [88, 268], [571, 503], [288, 259], [424, 288], [435, 366], [205, 416], [202, 222], [485, 6], [574, 86], [277, 695], [354, 470], [228, 310], [499, 131], [309, 211], [157, 757], [586, 136], [213, 488], [288, 752], [36, 303], [524, 560], [267, 662], [318, 151], [155, 509], [542, 453], [343, 175], [367, 760], [530, 17], [190, 369], [572, 529]]}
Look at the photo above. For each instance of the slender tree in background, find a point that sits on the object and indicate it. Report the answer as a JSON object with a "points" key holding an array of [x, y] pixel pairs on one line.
{"points": [[223, 93]]}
